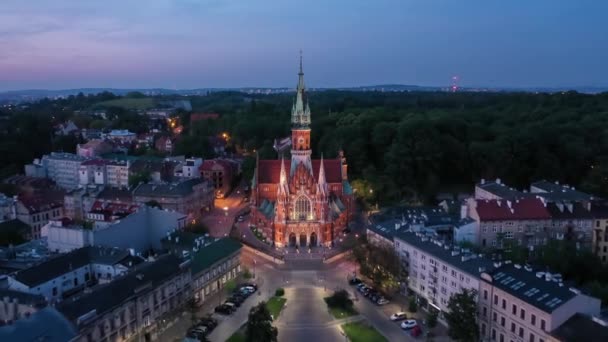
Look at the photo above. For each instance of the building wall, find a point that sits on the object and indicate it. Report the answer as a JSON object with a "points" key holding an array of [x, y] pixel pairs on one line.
{"points": [[432, 278], [141, 313], [118, 175], [53, 290], [600, 239], [214, 278], [37, 220], [12, 310], [63, 168], [65, 239]]}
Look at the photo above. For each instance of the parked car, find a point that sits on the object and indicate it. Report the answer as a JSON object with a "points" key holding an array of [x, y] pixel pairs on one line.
{"points": [[254, 285], [382, 301], [223, 309], [231, 305], [229, 301], [209, 322], [398, 316], [240, 219], [416, 331], [249, 288], [409, 324], [345, 231], [354, 281]]}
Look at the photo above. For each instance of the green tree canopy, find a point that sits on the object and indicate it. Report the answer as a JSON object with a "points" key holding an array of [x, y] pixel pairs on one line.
{"points": [[462, 316], [259, 326]]}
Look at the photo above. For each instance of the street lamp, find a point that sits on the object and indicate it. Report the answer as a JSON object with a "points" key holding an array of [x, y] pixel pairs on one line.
{"points": [[226, 211]]}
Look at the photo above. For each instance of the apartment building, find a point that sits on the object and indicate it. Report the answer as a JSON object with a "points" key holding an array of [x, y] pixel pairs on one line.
{"points": [[92, 172], [518, 304], [133, 303], [214, 262], [36, 210], [118, 173], [525, 221], [63, 168], [190, 197], [66, 274], [599, 245], [220, 173], [437, 270]]}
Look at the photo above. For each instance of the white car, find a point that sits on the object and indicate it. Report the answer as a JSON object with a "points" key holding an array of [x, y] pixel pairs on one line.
{"points": [[408, 324], [382, 301], [398, 316]]}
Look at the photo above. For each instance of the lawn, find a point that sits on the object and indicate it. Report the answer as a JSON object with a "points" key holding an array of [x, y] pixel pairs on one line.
{"points": [[237, 337], [360, 332], [275, 305], [128, 103]]}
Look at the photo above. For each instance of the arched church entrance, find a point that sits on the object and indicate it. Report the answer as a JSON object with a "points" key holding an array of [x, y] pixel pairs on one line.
{"points": [[302, 240], [292, 240], [313, 240]]}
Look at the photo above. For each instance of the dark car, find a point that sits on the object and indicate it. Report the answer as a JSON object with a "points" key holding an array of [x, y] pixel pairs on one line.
{"points": [[254, 285], [345, 231], [236, 300], [208, 322], [354, 281], [223, 309]]}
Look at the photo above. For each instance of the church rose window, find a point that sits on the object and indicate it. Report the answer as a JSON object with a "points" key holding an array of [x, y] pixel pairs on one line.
{"points": [[303, 209]]}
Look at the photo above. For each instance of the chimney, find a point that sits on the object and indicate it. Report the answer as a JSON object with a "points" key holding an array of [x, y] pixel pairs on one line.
{"points": [[498, 181]]}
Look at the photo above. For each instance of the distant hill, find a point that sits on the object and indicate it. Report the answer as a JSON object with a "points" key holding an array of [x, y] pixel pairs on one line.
{"points": [[16, 96], [128, 103]]}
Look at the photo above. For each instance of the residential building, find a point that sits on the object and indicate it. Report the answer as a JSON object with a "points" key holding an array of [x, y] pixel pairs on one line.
{"points": [[7, 208], [525, 221], [555, 192], [104, 211], [134, 303], [67, 274], [190, 168], [15, 305], [78, 202], [66, 128], [63, 168], [496, 190], [140, 231], [437, 270], [37, 210], [93, 148], [191, 197], [581, 328], [121, 136], [213, 261], [518, 304], [164, 144], [145, 140], [92, 172], [44, 325], [220, 173], [599, 245], [118, 173]]}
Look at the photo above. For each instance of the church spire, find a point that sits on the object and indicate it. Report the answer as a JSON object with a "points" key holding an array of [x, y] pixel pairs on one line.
{"points": [[300, 113], [322, 184], [283, 187]]}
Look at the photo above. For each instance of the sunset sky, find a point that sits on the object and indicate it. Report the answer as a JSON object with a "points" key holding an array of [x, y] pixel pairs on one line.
{"points": [[55, 44]]}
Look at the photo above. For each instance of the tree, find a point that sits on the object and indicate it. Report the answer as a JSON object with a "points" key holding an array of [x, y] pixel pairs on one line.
{"points": [[412, 305], [259, 325], [340, 299], [462, 316], [431, 319]]}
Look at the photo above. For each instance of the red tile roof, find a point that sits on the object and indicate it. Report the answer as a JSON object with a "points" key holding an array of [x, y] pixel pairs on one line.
{"points": [[522, 209], [209, 164], [269, 170]]}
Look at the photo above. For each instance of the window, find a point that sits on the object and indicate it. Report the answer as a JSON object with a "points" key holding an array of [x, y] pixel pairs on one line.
{"points": [[513, 327], [502, 338], [502, 321], [514, 309], [302, 208], [493, 334], [522, 314], [542, 324], [494, 316], [531, 337], [483, 329], [485, 294], [485, 311], [533, 319], [495, 299], [54, 291], [521, 332]]}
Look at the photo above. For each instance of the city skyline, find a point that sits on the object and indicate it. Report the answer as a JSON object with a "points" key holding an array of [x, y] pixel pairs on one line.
{"points": [[199, 44]]}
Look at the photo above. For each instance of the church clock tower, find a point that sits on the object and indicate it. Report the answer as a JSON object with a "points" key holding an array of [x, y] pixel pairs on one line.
{"points": [[300, 127]]}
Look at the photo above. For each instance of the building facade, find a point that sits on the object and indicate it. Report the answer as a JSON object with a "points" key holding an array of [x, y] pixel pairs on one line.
{"points": [[436, 270], [220, 173], [517, 304], [190, 197], [37, 211], [63, 168], [304, 202]]}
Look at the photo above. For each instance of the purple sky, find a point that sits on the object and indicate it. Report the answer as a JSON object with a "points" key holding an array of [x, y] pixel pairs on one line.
{"points": [[55, 44]]}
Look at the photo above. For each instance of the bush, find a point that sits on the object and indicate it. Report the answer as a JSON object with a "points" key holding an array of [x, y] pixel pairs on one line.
{"points": [[431, 319], [340, 299], [279, 292], [413, 306], [247, 274]]}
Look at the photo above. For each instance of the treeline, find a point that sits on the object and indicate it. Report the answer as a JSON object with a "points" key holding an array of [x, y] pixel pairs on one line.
{"points": [[403, 146], [413, 145]]}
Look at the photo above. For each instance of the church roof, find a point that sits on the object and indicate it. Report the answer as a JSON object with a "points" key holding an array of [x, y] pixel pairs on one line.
{"points": [[269, 170]]}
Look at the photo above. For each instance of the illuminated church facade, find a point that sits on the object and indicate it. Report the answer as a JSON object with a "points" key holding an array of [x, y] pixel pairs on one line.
{"points": [[302, 202]]}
